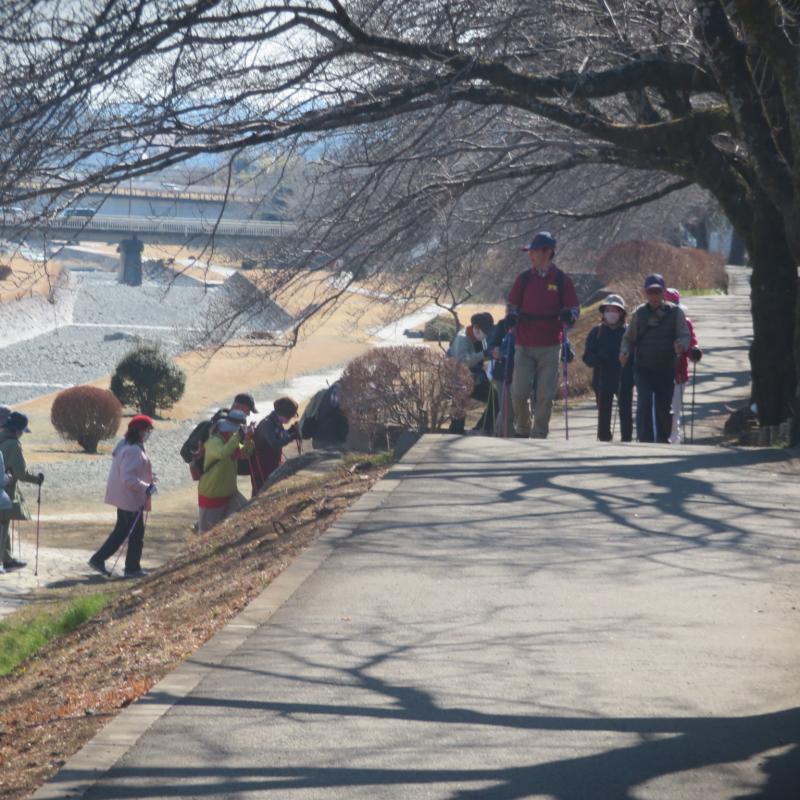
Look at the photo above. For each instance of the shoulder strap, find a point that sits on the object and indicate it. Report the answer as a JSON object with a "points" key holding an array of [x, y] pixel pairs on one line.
{"points": [[560, 287]]}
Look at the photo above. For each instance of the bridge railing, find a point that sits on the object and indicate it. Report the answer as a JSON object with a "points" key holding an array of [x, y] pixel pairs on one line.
{"points": [[173, 225]]}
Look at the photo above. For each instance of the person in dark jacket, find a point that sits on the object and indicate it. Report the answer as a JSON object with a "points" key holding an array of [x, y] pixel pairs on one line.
{"points": [[609, 378], [657, 336], [500, 344], [270, 438]]}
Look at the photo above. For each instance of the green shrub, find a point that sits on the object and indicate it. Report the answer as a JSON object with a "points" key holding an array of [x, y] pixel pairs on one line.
{"points": [[86, 415], [146, 379], [441, 328]]}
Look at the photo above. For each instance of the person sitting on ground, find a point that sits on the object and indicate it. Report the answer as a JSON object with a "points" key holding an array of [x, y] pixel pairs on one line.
{"points": [[467, 347], [693, 354], [609, 377], [218, 495], [656, 336], [270, 439], [14, 427], [130, 487], [192, 450]]}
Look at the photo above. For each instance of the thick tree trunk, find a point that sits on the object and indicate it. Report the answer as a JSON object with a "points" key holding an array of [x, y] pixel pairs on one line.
{"points": [[773, 299]]}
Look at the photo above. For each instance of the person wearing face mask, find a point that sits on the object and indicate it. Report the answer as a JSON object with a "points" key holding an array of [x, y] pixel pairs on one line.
{"points": [[468, 348], [270, 438], [130, 487], [693, 354], [218, 495], [609, 378]]}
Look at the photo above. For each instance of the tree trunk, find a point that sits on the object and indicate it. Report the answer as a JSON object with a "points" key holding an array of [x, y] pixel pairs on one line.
{"points": [[773, 298]]}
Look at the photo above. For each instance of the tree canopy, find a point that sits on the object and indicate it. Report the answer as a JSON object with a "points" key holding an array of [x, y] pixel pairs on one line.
{"points": [[439, 128]]}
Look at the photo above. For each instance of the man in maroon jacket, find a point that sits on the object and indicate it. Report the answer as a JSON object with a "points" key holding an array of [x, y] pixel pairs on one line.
{"points": [[544, 302]]}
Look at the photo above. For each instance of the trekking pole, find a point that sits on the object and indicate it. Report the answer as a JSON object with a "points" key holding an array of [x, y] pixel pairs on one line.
{"points": [[127, 538], [38, 517], [565, 368], [694, 385]]}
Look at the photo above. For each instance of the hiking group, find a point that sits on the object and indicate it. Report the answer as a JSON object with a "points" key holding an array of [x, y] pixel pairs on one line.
{"points": [[515, 367], [515, 362]]}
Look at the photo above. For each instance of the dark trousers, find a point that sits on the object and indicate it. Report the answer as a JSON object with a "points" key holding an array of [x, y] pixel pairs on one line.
{"points": [[119, 534], [654, 403], [481, 391], [605, 407]]}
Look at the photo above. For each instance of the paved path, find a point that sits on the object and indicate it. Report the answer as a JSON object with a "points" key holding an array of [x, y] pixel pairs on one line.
{"points": [[498, 620]]}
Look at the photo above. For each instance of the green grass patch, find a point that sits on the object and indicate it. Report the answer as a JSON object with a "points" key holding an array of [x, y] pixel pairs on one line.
{"points": [[21, 638]]}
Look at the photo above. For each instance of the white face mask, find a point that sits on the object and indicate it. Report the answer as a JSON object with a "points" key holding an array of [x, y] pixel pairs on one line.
{"points": [[146, 435], [611, 317]]}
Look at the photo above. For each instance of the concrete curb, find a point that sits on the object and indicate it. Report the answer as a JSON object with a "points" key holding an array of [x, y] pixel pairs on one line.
{"points": [[98, 756]]}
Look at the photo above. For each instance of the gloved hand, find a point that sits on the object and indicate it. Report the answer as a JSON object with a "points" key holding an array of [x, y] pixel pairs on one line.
{"points": [[566, 317], [695, 353], [40, 478], [151, 490]]}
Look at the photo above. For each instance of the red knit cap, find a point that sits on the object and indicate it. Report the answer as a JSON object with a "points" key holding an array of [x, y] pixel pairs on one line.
{"points": [[140, 422]]}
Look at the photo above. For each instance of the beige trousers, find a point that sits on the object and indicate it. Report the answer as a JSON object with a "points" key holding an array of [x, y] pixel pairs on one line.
{"points": [[535, 383]]}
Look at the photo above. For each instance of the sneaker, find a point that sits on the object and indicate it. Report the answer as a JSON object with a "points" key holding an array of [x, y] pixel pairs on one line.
{"points": [[137, 573], [99, 566], [14, 564]]}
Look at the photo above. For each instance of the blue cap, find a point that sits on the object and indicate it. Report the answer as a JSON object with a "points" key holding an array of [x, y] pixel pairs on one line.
{"points": [[17, 422], [655, 281], [542, 240]]}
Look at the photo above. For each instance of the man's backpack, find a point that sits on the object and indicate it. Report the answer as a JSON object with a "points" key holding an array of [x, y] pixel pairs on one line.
{"points": [[193, 449]]}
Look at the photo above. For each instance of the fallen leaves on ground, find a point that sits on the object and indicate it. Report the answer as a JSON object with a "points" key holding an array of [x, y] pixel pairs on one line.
{"points": [[55, 702]]}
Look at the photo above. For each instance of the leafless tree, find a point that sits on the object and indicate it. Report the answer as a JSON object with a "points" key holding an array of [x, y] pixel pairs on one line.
{"points": [[441, 128]]}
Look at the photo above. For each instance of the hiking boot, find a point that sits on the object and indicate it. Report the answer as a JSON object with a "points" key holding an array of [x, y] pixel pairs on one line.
{"points": [[137, 573], [14, 564], [99, 566]]}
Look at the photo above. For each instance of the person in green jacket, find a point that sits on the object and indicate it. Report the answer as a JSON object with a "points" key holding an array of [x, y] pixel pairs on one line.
{"points": [[15, 426], [217, 494]]}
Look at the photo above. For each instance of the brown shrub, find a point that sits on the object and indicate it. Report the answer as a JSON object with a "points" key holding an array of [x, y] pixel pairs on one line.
{"points": [[412, 387], [624, 266], [86, 415]]}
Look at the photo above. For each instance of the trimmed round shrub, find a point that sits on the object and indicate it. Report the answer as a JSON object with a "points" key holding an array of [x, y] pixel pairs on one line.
{"points": [[147, 379], [415, 388], [86, 415]]}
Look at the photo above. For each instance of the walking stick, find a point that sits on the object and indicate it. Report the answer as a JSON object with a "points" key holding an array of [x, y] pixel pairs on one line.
{"points": [[38, 517], [564, 361], [694, 384]]}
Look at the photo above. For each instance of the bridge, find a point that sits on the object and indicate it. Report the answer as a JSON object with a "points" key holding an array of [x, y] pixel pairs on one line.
{"points": [[163, 230]]}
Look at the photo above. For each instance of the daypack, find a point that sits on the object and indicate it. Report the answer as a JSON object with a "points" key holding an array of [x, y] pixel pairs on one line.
{"points": [[193, 449], [323, 418]]}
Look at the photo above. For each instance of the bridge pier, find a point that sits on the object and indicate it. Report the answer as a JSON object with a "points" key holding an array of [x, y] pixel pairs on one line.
{"points": [[130, 261]]}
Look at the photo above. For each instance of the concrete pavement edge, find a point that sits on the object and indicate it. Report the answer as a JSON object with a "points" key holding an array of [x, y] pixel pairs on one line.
{"points": [[97, 757]]}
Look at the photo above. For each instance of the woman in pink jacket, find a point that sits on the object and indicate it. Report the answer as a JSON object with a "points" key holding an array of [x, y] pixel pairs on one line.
{"points": [[129, 488]]}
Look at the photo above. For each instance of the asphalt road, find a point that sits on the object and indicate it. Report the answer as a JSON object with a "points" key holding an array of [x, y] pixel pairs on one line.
{"points": [[504, 619]]}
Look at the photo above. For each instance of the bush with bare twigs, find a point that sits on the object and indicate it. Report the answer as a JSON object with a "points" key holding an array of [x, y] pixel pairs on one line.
{"points": [[416, 388], [86, 415], [624, 267]]}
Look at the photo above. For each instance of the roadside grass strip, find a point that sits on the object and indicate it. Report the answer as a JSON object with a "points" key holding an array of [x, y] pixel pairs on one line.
{"points": [[21, 638]]}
